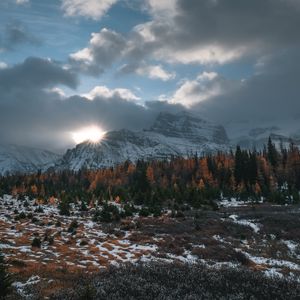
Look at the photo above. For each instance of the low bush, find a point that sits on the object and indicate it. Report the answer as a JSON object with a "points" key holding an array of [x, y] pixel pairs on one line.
{"points": [[36, 242], [171, 281]]}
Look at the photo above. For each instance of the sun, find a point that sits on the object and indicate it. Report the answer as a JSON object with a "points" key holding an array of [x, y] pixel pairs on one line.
{"points": [[92, 134]]}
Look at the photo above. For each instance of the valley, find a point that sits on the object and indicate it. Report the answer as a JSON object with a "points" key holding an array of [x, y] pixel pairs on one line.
{"points": [[261, 237]]}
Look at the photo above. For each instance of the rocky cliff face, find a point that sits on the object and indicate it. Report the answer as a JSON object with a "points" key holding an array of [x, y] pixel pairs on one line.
{"points": [[186, 126]]}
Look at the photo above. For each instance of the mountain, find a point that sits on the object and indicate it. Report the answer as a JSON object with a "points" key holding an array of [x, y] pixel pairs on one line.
{"points": [[178, 134], [20, 159], [258, 138]]}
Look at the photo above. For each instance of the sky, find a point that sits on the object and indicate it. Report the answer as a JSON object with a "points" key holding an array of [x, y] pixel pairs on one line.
{"points": [[69, 64]]}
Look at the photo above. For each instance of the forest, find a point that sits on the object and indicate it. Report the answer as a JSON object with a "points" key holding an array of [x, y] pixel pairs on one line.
{"points": [[170, 211], [197, 181]]}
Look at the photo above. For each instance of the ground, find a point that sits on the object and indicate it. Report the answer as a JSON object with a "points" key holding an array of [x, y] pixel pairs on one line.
{"points": [[259, 237]]}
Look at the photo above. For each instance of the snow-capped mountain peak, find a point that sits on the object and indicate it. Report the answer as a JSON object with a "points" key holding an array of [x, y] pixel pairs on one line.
{"points": [[179, 134], [21, 159]]}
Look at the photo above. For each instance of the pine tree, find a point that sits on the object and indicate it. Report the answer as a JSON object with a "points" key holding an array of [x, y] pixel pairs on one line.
{"points": [[252, 168], [5, 279], [238, 166], [64, 206], [272, 153]]}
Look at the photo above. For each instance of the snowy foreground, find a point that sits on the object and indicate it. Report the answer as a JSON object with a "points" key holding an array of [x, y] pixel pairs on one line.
{"points": [[260, 237]]}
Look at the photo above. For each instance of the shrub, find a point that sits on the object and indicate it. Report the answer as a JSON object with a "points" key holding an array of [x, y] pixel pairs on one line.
{"points": [[50, 240], [144, 212], [5, 279], [73, 226], [83, 206], [109, 213], [36, 242], [35, 220], [171, 281], [39, 209], [22, 215], [83, 243], [64, 208], [128, 210]]}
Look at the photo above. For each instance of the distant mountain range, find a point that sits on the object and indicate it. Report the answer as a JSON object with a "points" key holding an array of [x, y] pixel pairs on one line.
{"points": [[258, 137], [171, 135], [180, 134], [20, 159]]}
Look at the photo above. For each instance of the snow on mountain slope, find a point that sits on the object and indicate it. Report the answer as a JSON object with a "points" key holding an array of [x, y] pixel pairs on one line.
{"points": [[184, 125], [20, 159], [179, 134], [258, 137], [171, 135]]}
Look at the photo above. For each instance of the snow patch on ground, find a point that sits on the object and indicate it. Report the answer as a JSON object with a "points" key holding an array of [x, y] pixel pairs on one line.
{"points": [[273, 262], [233, 202], [21, 287], [249, 223]]}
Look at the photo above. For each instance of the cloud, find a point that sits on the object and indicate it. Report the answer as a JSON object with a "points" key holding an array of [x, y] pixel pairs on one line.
{"points": [[162, 8], [208, 32], [155, 72], [94, 9], [104, 48], [34, 111], [216, 32], [204, 87], [3, 65], [35, 72], [270, 95], [150, 71], [16, 34], [21, 2], [106, 93]]}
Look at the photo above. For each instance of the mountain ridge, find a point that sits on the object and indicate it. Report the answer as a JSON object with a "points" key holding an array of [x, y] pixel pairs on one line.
{"points": [[22, 159], [171, 135], [180, 134]]}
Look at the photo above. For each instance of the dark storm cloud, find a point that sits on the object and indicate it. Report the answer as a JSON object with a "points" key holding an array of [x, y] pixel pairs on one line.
{"points": [[203, 32], [219, 31], [270, 95], [15, 34], [35, 73], [33, 114], [213, 31], [234, 23]]}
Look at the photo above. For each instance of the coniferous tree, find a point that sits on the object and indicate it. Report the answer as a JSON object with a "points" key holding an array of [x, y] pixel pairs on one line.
{"points": [[64, 206], [238, 165], [272, 153], [252, 168], [5, 279]]}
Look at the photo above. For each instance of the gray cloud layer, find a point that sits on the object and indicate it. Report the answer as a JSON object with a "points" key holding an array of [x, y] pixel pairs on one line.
{"points": [[270, 95], [204, 32], [15, 34], [33, 114]]}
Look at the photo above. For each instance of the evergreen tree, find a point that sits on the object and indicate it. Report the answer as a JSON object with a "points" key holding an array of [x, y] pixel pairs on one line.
{"points": [[252, 168], [5, 279], [64, 206], [238, 165], [272, 153]]}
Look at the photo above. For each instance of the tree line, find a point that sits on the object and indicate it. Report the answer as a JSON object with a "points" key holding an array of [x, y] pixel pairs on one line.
{"points": [[197, 180]]}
